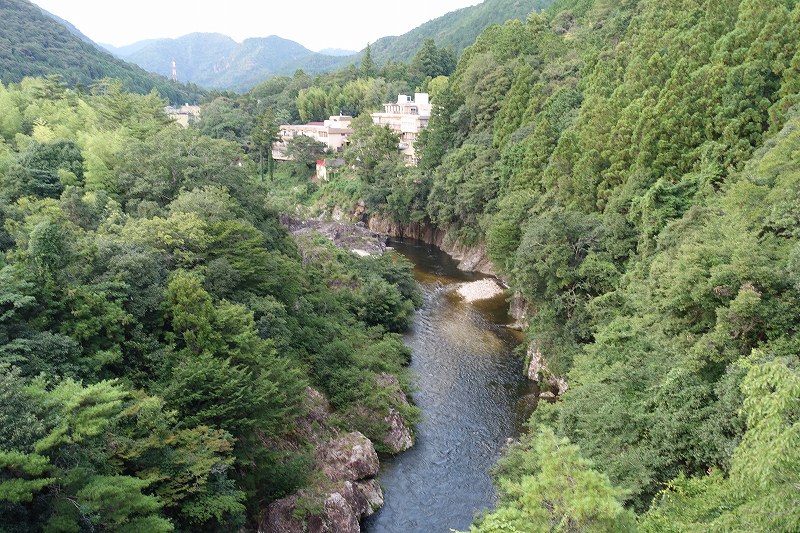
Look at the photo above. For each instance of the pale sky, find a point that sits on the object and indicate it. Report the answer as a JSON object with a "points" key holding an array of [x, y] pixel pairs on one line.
{"points": [[316, 24]]}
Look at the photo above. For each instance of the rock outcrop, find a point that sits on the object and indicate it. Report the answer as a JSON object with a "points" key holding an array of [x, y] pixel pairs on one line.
{"points": [[354, 237], [540, 373], [349, 463], [470, 258], [349, 457], [519, 310], [399, 436]]}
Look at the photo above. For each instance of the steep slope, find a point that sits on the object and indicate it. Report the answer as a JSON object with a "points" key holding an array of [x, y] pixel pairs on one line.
{"points": [[456, 30], [35, 44], [216, 61], [632, 168]]}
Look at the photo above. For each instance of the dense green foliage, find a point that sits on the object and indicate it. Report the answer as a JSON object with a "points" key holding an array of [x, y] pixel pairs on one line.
{"points": [[547, 486], [632, 169], [34, 44], [159, 327], [455, 30]]}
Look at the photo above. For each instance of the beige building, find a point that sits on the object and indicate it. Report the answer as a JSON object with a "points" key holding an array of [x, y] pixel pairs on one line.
{"points": [[333, 133], [183, 115], [408, 118]]}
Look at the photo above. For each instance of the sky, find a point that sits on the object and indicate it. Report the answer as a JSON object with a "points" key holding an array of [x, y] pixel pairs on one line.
{"points": [[316, 24]]}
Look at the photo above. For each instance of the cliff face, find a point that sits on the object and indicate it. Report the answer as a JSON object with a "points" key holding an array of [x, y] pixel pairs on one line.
{"points": [[470, 258]]}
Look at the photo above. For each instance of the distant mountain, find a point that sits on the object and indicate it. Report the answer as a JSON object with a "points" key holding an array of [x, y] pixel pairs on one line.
{"points": [[36, 43], [124, 51], [216, 61], [456, 30], [337, 52]]}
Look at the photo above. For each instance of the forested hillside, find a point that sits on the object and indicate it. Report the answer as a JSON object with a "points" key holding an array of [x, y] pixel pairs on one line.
{"points": [[159, 328], [35, 44], [632, 167], [632, 170], [455, 30]]}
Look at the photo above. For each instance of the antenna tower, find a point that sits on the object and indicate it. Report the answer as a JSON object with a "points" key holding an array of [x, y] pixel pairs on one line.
{"points": [[174, 71]]}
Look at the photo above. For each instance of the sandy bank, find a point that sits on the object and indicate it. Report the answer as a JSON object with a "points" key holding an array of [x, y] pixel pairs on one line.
{"points": [[483, 289]]}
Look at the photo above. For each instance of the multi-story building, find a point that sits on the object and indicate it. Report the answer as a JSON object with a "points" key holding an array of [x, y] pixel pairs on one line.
{"points": [[333, 133], [183, 115], [408, 118]]}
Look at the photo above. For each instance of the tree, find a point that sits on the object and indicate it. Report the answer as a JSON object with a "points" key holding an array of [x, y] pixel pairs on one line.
{"points": [[371, 145], [44, 169], [264, 133], [545, 486], [305, 152], [430, 61], [367, 69], [312, 104], [759, 493], [224, 118]]}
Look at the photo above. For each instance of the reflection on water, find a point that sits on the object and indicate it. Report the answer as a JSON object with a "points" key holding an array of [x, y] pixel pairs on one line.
{"points": [[471, 391]]}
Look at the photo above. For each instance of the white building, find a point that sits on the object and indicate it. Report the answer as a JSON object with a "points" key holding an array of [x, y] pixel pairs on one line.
{"points": [[333, 133], [408, 118]]}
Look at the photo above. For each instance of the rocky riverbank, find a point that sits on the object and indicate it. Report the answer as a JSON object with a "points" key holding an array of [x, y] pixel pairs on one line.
{"points": [[343, 489], [470, 258], [356, 237]]}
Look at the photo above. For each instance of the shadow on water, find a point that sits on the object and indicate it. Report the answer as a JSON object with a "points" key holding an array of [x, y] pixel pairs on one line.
{"points": [[473, 397]]}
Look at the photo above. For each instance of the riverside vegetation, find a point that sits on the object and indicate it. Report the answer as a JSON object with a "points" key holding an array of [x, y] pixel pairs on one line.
{"points": [[631, 168], [159, 327]]}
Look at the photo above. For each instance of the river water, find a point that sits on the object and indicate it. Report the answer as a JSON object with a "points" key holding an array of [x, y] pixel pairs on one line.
{"points": [[473, 397]]}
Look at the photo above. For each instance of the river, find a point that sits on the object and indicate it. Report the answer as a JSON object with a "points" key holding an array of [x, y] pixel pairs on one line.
{"points": [[473, 397]]}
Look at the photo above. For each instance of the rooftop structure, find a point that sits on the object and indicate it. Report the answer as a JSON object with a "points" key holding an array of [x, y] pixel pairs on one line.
{"points": [[408, 118]]}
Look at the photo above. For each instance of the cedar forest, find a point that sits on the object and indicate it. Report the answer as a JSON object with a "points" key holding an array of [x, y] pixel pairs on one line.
{"points": [[632, 168]]}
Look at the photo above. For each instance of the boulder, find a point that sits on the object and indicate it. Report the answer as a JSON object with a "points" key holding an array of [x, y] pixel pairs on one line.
{"points": [[518, 310], [349, 457], [341, 508], [338, 517], [398, 438], [392, 385], [279, 517], [372, 493], [536, 366]]}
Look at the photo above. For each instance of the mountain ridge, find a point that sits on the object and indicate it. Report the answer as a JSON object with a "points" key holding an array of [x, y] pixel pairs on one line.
{"points": [[244, 65], [34, 42], [217, 61]]}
